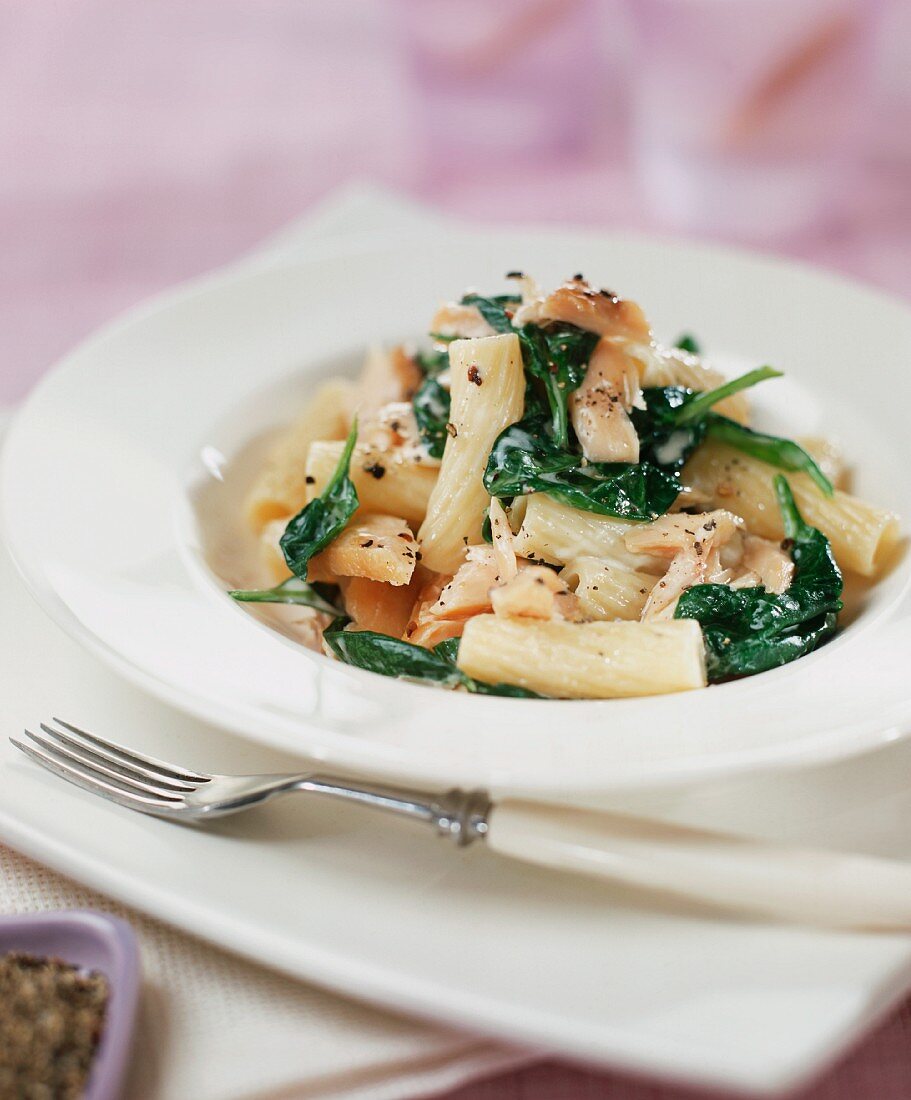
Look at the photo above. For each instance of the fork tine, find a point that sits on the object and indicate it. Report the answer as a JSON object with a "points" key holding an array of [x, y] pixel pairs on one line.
{"points": [[125, 786], [135, 760], [67, 748], [73, 773]]}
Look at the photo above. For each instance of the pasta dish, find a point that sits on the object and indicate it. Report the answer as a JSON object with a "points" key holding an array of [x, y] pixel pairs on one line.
{"points": [[542, 500]]}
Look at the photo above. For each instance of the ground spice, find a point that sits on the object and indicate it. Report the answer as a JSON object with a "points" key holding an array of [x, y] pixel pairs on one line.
{"points": [[51, 1018]]}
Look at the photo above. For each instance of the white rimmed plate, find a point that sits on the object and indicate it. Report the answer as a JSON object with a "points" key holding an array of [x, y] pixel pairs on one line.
{"points": [[388, 913], [107, 460]]}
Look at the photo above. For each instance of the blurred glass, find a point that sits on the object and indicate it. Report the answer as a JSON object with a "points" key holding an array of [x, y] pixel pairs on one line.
{"points": [[748, 115], [505, 80]]}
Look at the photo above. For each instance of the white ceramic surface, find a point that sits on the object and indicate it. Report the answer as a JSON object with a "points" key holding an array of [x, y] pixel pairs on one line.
{"points": [[105, 459], [381, 911]]}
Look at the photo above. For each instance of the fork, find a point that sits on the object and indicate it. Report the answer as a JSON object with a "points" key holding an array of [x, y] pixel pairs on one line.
{"points": [[736, 873]]}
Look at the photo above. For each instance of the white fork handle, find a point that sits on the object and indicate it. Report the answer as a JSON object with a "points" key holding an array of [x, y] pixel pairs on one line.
{"points": [[797, 884]]}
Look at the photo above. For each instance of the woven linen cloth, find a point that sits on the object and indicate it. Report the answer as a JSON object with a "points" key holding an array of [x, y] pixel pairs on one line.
{"points": [[214, 1027]]}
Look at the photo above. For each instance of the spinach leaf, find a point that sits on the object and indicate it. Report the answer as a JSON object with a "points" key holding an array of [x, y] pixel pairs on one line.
{"points": [[325, 517], [390, 656], [497, 310], [750, 630], [696, 405], [432, 362], [783, 453], [662, 441], [432, 406], [556, 355], [673, 422], [293, 591], [676, 420], [686, 341], [525, 459]]}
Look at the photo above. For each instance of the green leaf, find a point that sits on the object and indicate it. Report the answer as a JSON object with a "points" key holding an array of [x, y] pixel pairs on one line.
{"points": [[525, 460], [432, 362], [432, 406], [558, 357], [291, 591], [448, 649], [687, 342], [662, 441], [698, 404], [783, 453], [324, 518], [390, 656], [496, 310], [676, 420], [750, 630], [513, 691]]}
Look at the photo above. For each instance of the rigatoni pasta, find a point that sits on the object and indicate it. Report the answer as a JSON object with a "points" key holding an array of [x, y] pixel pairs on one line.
{"points": [[597, 660], [386, 480], [861, 535], [548, 502], [608, 590], [281, 486], [557, 534], [487, 384]]}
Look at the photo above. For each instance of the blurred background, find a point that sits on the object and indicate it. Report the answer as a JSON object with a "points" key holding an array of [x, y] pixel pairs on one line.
{"points": [[145, 142]]}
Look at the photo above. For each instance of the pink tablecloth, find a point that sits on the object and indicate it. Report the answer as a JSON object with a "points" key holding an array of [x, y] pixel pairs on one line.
{"points": [[144, 142]]}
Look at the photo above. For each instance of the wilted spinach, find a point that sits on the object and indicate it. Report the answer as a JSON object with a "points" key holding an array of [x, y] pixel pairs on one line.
{"points": [[783, 453], [750, 630], [496, 309], [434, 361], [558, 357], [390, 656], [432, 405], [291, 591], [686, 341], [325, 517], [676, 420], [431, 402], [525, 459]]}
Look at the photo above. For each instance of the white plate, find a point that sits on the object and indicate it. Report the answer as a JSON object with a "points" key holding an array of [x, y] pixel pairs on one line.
{"points": [[106, 458], [377, 909]]}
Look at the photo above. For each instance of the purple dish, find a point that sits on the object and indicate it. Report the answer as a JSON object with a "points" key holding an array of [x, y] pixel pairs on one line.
{"points": [[90, 941]]}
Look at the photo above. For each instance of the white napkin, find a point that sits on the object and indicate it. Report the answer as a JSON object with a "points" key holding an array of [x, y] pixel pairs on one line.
{"points": [[214, 1027]]}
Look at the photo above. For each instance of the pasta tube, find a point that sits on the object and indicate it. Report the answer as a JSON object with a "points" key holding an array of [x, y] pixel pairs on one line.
{"points": [[607, 590], [556, 533], [280, 490], [585, 660], [386, 480], [861, 534], [487, 388], [674, 367]]}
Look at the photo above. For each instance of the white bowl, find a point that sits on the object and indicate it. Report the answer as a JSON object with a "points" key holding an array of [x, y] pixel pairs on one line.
{"points": [[107, 462]]}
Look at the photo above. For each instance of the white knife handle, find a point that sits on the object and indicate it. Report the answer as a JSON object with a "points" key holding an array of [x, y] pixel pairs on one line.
{"points": [[798, 884]]}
